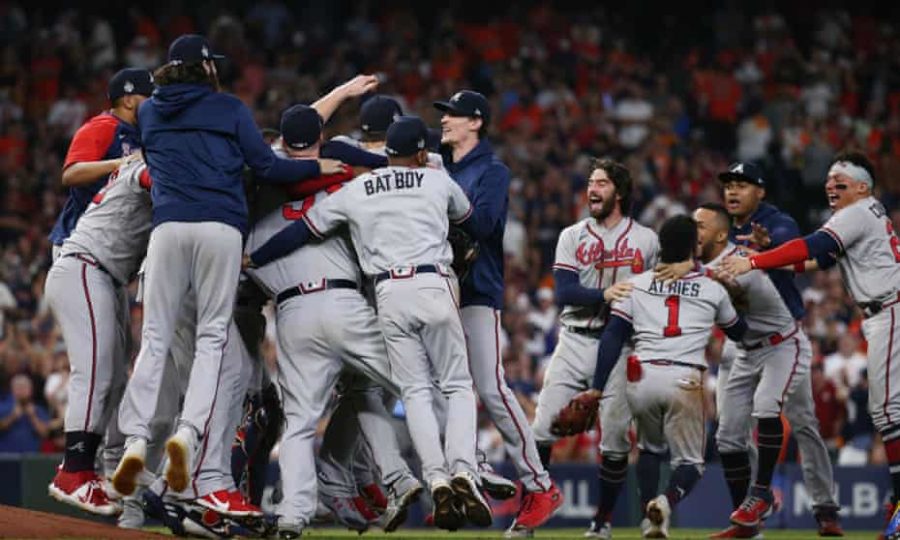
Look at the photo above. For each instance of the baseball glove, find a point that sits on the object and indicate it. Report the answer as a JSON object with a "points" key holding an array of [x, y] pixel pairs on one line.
{"points": [[578, 416], [465, 251]]}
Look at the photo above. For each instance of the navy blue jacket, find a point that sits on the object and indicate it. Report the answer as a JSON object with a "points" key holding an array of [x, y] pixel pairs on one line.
{"points": [[196, 142], [782, 228], [485, 180]]}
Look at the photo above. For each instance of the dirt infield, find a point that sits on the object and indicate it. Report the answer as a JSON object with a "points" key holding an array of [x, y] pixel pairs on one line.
{"points": [[21, 523]]}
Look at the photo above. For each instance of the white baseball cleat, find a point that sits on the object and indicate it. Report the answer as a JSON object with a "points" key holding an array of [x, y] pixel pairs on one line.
{"points": [[179, 450], [603, 531], [658, 513], [124, 480]]}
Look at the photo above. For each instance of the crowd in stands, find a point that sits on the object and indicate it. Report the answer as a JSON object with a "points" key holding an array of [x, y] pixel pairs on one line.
{"points": [[675, 104]]}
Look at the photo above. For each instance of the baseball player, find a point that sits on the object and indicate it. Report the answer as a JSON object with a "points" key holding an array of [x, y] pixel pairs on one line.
{"points": [[594, 259], [398, 223], [485, 180], [671, 324], [862, 238], [771, 368], [196, 142], [310, 360], [98, 147], [86, 291], [376, 115]]}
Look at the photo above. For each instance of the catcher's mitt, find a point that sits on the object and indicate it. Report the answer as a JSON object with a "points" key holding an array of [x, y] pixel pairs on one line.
{"points": [[465, 251], [578, 416]]}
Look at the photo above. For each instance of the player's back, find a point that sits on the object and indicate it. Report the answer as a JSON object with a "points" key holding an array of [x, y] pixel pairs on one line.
{"points": [[673, 321], [330, 258], [115, 228], [399, 217]]}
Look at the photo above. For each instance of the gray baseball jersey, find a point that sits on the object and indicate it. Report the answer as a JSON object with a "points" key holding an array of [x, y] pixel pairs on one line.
{"points": [[673, 321], [397, 216], [602, 257], [331, 258], [116, 226], [766, 312], [870, 250]]}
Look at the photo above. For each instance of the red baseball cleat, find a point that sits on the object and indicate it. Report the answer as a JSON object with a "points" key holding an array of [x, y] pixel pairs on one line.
{"points": [[737, 531], [537, 508], [229, 503], [82, 489], [376, 498], [757, 506]]}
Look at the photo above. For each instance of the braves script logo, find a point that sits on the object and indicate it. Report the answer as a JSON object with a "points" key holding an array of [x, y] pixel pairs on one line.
{"points": [[594, 254]]}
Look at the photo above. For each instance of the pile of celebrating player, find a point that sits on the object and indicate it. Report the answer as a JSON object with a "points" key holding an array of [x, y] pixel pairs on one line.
{"points": [[177, 188]]}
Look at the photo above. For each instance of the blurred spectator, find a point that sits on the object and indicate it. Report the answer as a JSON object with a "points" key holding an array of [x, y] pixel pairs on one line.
{"points": [[859, 431], [23, 423], [830, 408], [843, 367]]}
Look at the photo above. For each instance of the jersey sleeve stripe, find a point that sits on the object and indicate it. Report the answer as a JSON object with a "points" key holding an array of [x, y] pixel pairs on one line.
{"points": [[464, 217], [312, 227], [564, 266], [834, 235], [621, 314], [730, 323]]}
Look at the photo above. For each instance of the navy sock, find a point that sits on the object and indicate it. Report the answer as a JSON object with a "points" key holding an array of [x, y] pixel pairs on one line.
{"points": [[81, 450], [648, 476], [736, 466], [545, 450], [613, 472], [682, 481], [771, 437]]}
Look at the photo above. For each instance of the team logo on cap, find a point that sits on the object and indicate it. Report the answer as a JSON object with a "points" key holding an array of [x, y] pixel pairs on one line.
{"points": [[738, 169], [128, 87], [456, 97]]}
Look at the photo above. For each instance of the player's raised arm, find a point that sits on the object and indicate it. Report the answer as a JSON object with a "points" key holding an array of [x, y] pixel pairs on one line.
{"points": [[357, 86]]}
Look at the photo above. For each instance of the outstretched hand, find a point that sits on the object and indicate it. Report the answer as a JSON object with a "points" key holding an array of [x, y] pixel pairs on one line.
{"points": [[759, 236]]}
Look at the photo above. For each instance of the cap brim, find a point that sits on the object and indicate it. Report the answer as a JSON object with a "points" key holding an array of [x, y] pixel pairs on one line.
{"points": [[446, 106]]}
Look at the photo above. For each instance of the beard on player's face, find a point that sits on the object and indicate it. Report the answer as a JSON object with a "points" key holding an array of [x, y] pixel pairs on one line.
{"points": [[606, 207]]}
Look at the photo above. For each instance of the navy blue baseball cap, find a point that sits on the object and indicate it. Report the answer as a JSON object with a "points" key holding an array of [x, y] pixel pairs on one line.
{"points": [[743, 171], [301, 127], [130, 81], [191, 49], [378, 112], [406, 136], [466, 103]]}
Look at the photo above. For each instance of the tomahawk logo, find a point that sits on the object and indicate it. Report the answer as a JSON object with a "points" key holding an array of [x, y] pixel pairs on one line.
{"points": [[738, 169]]}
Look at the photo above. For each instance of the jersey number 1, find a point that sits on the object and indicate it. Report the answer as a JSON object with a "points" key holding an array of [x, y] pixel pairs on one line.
{"points": [[672, 329]]}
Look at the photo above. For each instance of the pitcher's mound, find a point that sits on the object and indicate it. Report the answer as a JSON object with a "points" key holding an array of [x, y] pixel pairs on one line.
{"points": [[21, 523]]}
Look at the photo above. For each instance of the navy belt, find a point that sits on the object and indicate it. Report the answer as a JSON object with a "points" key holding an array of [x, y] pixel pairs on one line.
{"points": [[91, 260], [870, 309], [664, 362], [325, 284], [393, 274], [590, 332]]}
